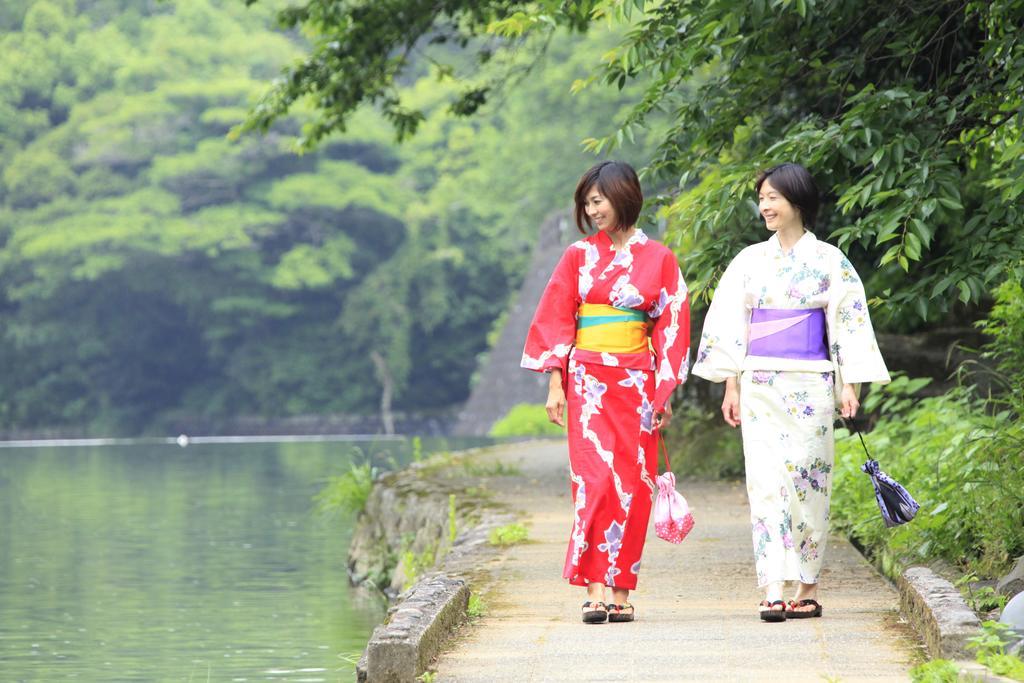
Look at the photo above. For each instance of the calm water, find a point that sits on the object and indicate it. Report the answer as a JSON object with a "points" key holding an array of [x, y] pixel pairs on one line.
{"points": [[162, 563]]}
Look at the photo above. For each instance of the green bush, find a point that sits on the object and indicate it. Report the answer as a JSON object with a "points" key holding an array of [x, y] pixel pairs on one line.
{"points": [[959, 455], [981, 598], [701, 444], [935, 671], [990, 649], [347, 493], [1005, 329], [526, 419], [962, 464]]}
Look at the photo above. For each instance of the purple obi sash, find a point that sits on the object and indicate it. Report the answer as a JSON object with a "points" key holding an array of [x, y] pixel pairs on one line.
{"points": [[788, 333]]}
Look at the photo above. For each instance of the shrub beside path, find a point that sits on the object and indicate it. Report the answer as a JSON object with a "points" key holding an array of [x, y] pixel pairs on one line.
{"points": [[696, 603]]}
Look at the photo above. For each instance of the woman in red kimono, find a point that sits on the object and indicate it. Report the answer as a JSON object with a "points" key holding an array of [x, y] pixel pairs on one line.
{"points": [[613, 329]]}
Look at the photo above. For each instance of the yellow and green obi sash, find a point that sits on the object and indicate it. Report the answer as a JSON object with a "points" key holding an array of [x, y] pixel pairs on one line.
{"points": [[611, 329]]}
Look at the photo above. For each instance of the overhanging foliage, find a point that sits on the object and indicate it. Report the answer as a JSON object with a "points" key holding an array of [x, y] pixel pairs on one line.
{"points": [[909, 112]]}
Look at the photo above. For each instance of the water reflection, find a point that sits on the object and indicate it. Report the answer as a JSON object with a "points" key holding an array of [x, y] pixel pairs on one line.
{"points": [[156, 562]]}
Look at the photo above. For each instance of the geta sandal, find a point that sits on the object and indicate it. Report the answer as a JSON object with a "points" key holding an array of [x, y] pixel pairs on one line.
{"points": [[769, 614], [598, 613], [618, 613], [793, 613]]}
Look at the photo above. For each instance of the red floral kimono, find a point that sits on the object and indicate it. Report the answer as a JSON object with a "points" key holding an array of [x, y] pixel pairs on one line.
{"points": [[617, 323]]}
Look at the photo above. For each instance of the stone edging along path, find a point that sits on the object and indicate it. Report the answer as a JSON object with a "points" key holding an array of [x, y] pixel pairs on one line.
{"points": [[425, 616], [417, 503], [937, 611]]}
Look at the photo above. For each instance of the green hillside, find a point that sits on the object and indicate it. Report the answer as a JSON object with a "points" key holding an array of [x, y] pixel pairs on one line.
{"points": [[153, 268]]}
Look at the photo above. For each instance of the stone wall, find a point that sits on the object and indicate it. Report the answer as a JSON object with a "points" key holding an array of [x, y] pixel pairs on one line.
{"points": [[404, 545], [407, 520]]}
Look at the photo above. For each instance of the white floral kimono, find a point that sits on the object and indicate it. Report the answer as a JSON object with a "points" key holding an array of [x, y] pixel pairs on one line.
{"points": [[788, 393]]}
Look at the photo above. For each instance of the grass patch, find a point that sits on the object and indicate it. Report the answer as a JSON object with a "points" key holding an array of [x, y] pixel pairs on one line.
{"points": [[477, 607], [526, 419], [958, 460], [935, 671], [349, 492], [479, 494], [1006, 665], [415, 564], [452, 527], [351, 658], [493, 468], [452, 465], [507, 535]]}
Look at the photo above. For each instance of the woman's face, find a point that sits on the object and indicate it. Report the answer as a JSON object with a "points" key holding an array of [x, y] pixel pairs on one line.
{"points": [[776, 210], [600, 210]]}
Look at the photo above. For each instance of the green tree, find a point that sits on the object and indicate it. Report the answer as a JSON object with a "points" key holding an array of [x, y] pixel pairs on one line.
{"points": [[909, 112]]}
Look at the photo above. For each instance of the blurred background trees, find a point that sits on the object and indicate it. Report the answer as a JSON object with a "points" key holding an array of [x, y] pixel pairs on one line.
{"points": [[153, 269]]}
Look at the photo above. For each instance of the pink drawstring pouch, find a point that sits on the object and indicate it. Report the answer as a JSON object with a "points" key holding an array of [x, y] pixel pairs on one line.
{"points": [[672, 516]]}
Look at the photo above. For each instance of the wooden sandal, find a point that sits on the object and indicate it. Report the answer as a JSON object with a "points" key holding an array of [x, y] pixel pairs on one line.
{"points": [[617, 613], [769, 614], [597, 615], [793, 613]]}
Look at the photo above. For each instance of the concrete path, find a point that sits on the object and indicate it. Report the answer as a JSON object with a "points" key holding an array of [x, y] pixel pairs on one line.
{"points": [[696, 603]]}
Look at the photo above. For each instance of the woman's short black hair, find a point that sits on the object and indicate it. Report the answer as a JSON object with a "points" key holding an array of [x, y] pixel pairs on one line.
{"points": [[618, 182], [795, 183]]}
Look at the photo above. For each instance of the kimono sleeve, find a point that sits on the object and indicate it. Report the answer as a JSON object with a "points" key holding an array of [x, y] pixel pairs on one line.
{"points": [[553, 329], [852, 344], [670, 336], [723, 341]]}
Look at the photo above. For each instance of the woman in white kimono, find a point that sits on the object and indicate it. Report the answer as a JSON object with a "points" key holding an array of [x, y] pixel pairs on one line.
{"points": [[788, 332]]}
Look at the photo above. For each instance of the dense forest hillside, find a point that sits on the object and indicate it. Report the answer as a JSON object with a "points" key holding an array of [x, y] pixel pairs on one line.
{"points": [[154, 268]]}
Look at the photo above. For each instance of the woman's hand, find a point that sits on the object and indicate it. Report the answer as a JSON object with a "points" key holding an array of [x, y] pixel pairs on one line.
{"points": [[556, 399], [663, 417], [849, 402], [731, 403]]}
